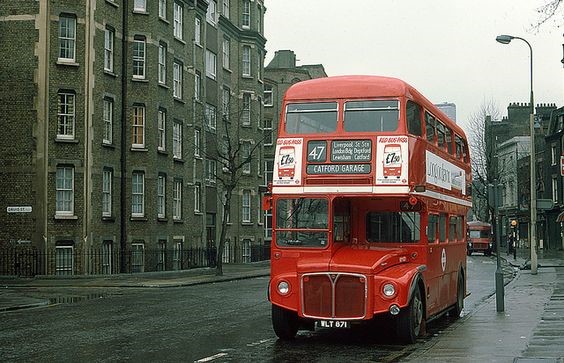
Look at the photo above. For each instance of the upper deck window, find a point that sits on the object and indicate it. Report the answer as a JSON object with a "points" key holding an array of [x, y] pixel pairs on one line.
{"points": [[311, 118], [371, 115], [413, 117]]}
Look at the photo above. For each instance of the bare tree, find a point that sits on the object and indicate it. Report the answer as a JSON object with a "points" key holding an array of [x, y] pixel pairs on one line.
{"points": [[233, 153], [484, 168], [550, 10]]}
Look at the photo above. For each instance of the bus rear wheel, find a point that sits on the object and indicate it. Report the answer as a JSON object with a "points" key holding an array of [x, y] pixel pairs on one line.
{"points": [[284, 322], [459, 305], [410, 320]]}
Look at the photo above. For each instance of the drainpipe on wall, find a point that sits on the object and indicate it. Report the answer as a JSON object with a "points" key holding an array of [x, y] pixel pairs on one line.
{"points": [[123, 146], [88, 124]]}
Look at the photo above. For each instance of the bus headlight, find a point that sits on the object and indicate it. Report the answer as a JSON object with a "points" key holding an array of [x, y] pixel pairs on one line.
{"points": [[389, 290], [283, 288]]}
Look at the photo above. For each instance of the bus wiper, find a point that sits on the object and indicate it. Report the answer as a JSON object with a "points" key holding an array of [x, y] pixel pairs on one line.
{"points": [[294, 242]]}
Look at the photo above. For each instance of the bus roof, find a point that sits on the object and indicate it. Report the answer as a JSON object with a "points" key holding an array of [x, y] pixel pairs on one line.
{"points": [[362, 86], [478, 224]]}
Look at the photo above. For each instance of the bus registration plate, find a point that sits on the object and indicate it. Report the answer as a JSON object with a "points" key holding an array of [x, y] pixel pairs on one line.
{"points": [[334, 324]]}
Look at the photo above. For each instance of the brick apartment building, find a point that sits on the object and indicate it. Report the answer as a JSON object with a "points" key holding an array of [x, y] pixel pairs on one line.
{"points": [[115, 114]]}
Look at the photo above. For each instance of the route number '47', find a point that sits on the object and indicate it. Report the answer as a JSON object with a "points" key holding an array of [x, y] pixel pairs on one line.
{"points": [[317, 153]]}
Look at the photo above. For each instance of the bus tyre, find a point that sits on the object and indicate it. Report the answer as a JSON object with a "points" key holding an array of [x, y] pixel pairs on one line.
{"points": [[410, 320], [284, 322], [459, 305]]}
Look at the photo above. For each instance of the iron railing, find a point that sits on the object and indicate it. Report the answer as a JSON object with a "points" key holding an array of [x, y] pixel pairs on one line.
{"points": [[29, 261]]}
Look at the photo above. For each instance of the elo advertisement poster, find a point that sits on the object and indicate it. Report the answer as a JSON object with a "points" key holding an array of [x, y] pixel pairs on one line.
{"points": [[391, 160], [288, 162]]}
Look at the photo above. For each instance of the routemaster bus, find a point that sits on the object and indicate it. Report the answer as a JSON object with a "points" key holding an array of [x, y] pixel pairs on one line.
{"points": [[371, 222], [480, 238]]}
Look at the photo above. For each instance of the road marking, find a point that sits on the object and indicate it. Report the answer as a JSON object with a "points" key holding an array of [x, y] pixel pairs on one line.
{"points": [[210, 358], [254, 344]]}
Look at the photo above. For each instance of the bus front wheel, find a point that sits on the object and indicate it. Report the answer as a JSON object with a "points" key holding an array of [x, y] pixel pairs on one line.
{"points": [[284, 322], [410, 320]]}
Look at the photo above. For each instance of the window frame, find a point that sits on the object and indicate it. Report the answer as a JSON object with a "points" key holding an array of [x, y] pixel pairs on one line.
{"points": [[162, 63], [109, 43], [246, 15], [246, 154], [108, 120], [211, 171], [138, 128], [177, 80], [211, 116], [226, 11], [197, 198], [161, 195], [177, 140], [139, 56], [197, 143], [66, 120], [246, 109], [107, 192], [140, 6], [161, 129], [67, 38], [197, 85], [268, 94], [162, 9], [64, 269], [246, 206], [198, 30], [211, 64], [177, 200], [64, 194], [211, 14], [226, 50], [138, 196], [137, 254], [246, 61], [178, 21]]}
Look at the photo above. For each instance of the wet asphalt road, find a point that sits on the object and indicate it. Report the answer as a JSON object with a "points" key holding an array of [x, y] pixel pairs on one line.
{"points": [[222, 322]]}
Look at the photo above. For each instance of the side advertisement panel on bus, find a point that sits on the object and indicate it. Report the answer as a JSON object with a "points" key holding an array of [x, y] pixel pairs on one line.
{"points": [[392, 156], [288, 165]]}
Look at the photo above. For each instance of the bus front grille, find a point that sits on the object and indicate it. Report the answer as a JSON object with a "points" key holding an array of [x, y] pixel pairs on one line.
{"points": [[334, 295]]}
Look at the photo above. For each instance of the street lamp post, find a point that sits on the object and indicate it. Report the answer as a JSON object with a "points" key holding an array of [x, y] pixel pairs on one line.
{"points": [[506, 39]]}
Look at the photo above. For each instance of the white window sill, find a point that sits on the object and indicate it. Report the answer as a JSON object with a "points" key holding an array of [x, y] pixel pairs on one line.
{"points": [[139, 148], [66, 216], [67, 62]]}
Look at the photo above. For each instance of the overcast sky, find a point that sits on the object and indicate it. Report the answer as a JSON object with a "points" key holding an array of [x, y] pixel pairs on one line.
{"points": [[444, 48]]}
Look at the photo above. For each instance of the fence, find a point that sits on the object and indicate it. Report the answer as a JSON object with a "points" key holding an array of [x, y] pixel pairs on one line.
{"points": [[68, 260]]}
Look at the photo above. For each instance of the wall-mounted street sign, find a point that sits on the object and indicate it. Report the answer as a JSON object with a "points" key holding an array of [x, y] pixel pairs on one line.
{"points": [[544, 204], [19, 209]]}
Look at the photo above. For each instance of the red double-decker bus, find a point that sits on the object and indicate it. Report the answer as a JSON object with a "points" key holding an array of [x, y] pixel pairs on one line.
{"points": [[372, 219]]}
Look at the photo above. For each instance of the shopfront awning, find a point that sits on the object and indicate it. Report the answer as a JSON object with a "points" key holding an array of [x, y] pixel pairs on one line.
{"points": [[560, 217]]}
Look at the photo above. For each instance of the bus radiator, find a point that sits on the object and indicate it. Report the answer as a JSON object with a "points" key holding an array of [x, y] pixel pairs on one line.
{"points": [[334, 295]]}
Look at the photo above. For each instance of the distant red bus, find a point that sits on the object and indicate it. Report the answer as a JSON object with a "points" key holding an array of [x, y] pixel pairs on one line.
{"points": [[480, 238], [373, 221]]}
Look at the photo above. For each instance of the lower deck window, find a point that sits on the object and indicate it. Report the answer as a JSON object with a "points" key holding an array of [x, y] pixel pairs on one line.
{"points": [[393, 226]]}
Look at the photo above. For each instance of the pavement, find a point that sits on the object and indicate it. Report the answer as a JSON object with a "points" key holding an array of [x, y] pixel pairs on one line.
{"points": [[529, 329]]}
